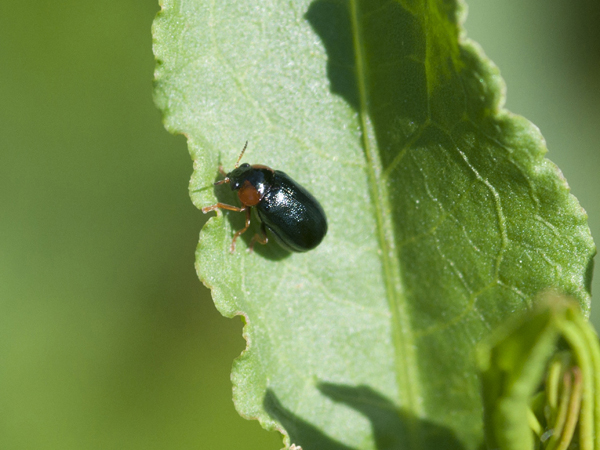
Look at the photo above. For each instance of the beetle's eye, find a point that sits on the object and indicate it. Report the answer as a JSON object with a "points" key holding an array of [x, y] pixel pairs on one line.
{"points": [[244, 166]]}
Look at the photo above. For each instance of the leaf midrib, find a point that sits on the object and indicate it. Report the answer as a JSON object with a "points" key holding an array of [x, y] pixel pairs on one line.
{"points": [[407, 377]]}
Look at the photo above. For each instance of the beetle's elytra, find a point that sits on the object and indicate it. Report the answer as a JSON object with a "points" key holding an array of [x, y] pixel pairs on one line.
{"points": [[285, 208]]}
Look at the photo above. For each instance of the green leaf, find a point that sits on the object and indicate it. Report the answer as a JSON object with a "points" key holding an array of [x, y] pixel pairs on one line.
{"points": [[513, 363], [444, 216]]}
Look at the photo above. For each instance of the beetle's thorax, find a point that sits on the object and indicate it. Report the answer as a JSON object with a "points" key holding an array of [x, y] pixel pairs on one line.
{"points": [[251, 182]]}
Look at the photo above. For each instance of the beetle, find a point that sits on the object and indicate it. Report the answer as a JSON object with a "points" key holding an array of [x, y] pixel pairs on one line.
{"points": [[285, 208]]}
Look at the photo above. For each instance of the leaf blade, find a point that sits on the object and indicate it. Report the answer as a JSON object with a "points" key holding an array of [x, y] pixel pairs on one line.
{"points": [[423, 150]]}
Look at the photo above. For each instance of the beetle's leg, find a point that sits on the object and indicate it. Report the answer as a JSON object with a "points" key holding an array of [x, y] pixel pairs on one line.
{"points": [[207, 209], [223, 181], [242, 230], [260, 238], [222, 171]]}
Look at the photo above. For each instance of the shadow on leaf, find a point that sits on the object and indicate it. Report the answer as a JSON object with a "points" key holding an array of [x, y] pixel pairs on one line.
{"points": [[394, 79], [301, 433], [391, 427], [332, 22]]}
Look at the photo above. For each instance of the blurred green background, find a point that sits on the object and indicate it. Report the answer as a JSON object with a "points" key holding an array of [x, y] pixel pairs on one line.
{"points": [[107, 339]]}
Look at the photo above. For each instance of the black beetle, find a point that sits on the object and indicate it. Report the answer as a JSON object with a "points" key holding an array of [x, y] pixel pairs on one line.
{"points": [[284, 207]]}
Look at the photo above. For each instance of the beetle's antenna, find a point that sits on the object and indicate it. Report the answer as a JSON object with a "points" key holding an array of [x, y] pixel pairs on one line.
{"points": [[241, 154]]}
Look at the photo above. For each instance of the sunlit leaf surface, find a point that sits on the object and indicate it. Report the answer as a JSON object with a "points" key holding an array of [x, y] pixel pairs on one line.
{"points": [[444, 217]]}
